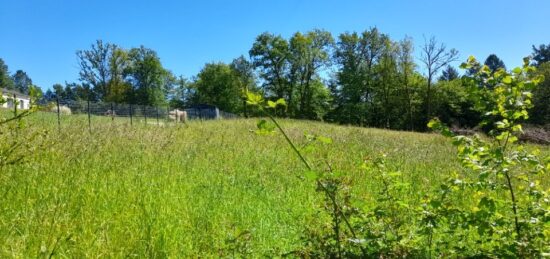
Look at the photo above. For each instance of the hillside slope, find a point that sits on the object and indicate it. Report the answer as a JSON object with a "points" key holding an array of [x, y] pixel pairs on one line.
{"points": [[183, 191]]}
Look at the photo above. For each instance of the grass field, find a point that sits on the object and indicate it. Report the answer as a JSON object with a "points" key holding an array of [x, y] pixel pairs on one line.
{"points": [[187, 191]]}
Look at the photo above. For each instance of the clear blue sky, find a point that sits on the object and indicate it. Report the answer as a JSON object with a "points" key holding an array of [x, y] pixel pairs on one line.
{"points": [[41, 37]]}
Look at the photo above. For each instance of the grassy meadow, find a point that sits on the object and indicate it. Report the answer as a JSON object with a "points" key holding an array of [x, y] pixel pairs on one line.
{"points": [[208, 188]]}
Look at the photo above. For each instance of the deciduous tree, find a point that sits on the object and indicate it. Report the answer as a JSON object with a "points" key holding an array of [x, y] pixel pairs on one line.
{"points": [[217, 84], [95, 67], [434, 57], [269, 54], [150, 81]]}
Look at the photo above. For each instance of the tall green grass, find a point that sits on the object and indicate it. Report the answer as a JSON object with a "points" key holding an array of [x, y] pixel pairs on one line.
{"points": [[208, 188]]}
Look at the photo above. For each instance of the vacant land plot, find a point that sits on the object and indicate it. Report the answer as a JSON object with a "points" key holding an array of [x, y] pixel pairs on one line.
{"points": [[211, 188]]}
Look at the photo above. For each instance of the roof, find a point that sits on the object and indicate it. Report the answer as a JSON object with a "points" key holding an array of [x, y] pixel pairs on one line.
{"points": [[12, 92]]}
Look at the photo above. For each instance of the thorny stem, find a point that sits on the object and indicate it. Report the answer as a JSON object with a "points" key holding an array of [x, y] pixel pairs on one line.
{"points": [[319, 183], [17, 117], [510, 187]]}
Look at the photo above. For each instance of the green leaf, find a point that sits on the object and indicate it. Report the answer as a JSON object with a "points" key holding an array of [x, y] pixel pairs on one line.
{"points": [[281, 101], [507, 80], [253, 99], [271, 104]]}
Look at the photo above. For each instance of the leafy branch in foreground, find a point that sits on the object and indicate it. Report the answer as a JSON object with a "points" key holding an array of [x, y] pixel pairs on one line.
{"points": [[13, 146], [515, 224], [330, 186], [495, 205]]}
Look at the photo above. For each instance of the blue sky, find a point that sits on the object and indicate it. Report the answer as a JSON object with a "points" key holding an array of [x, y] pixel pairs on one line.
{"points": [[41, 37]]}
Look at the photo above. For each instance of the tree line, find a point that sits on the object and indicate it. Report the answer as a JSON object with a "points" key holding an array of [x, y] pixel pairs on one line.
{"points": [[359, 78]]}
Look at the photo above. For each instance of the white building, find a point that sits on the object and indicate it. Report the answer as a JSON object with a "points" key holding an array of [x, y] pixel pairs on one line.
{"points": [[23, 101]]}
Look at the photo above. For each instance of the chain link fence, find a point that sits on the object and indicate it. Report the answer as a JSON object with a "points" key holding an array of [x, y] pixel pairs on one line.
{"points": [[130, 113]]}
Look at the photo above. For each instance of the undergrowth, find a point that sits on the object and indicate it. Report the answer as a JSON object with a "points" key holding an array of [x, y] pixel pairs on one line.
{"points": [[493, 206]]}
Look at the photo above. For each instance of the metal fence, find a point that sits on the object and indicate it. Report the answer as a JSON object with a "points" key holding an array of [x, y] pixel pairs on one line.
{"points": [[131, 113]]}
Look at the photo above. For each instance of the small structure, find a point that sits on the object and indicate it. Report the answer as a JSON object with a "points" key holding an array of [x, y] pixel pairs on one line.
{"points": [[12, 97], [203, 112]]}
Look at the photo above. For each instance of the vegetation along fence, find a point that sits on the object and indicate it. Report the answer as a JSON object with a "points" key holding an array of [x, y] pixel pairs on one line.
{"points": [[131, 113]]}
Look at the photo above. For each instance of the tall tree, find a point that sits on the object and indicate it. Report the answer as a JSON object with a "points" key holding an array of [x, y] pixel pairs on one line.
{"points": [[59, 91], [244, 71], [435, 56], [356, 56], [494, 63], [69, 93], [119, 90], [387, 83], [95, 68], [5, 79], [269, 54], [49, 96], [449, 74], [217, 84], [541, 54], [22, 81], [310, 53], [540, 114], [149, 80], [181, 94], [406, 68]]}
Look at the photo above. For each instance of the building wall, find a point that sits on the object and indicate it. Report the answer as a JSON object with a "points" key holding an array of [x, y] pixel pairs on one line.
{"points": [[23, 103]]}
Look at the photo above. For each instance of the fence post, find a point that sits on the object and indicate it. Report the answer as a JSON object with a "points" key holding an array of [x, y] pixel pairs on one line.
{"points": [[89, 117], [58, 116], [131, 122], [14, 105], [112, 112], [157, 109], [144, 109], [167, 114]]}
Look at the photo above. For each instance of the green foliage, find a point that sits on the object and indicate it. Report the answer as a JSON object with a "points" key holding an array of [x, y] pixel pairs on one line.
{"points": [[509, 207], [290, 70], [357, 56], [5, 79], [16, 143], [119, 75], [150, 81], [22, 82], [494, 63], [449, 74], [494, 206], [455, 104], [95, 67], [209, 189], [435, 56], [540, 113], [217, 84], [541, 54]]}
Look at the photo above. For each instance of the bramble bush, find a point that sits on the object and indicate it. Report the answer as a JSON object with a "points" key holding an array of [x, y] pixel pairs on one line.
{"points": [[495, 206]]}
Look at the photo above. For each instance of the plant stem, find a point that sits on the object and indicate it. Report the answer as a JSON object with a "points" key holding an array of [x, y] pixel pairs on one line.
{"points": [[514, 206], [290, 142], [510, 187], [319, 183]]}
